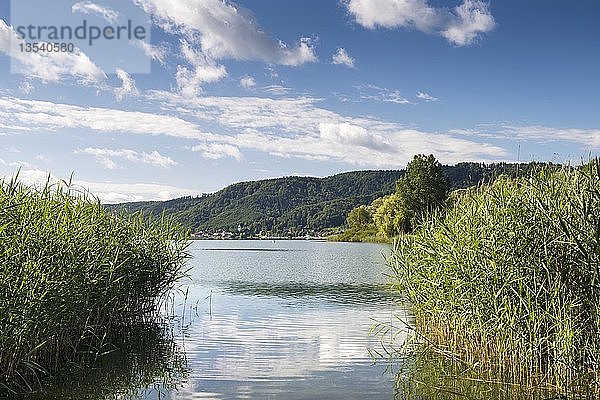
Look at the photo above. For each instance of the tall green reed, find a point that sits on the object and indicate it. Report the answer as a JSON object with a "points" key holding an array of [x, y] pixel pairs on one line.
{"points": [[507, 279], [72, 273]]}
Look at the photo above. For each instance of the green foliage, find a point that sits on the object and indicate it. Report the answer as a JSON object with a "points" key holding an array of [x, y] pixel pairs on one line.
{"points": [[422, 189], [276, 205], [71, 273], [425, 187], [362, 234], [508, 280], [359, 217], [302, 204], [391, 216]]}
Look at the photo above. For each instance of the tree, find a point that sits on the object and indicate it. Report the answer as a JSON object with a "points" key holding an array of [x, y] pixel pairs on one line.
{"points": [[359, 217], [423, 188], [391, 216]]}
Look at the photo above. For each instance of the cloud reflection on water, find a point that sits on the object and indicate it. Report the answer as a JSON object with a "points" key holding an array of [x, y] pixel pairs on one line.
{"points": [[281, 338]]}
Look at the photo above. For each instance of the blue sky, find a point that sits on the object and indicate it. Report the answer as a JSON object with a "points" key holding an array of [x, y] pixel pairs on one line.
{"points": [[231, 91]]}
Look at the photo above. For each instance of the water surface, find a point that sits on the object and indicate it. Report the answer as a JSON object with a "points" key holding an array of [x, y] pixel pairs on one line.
{"points": [[286, 320]]}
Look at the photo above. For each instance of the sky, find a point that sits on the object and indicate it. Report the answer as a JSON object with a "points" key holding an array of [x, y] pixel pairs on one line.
{"points": [[218, 92]]}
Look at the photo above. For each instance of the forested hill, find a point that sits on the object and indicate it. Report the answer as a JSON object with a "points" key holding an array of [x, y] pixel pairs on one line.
{"points": [[276, 205], [298, 205]]}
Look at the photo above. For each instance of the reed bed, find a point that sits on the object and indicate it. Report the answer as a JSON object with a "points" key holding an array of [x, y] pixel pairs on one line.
{"points": [[72, 274], [507, 279], [434, 377]]}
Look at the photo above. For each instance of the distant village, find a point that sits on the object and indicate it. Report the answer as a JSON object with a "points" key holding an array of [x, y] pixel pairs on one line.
{"points": [[242, 234]]}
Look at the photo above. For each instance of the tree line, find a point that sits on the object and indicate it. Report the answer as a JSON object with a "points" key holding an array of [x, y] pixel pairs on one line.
{"points": [[425, 187]]}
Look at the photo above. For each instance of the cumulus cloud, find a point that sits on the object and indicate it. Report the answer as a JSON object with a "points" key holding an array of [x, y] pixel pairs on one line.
{"points": [[127, 88], [87, 7], [287, 127], [247, 82], [105, 157], [49, 66], [341, 57], [353, 135], [110, 192], [226, 30], [473, 17], [299, 127], [461, 25]]}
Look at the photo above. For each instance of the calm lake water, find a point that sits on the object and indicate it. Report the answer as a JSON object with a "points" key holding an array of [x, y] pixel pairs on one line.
{"points": [[286, 320]]}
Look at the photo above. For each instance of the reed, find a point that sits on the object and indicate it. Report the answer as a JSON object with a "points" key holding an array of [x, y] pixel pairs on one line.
{"points": [[71, 274], [507, 279]]}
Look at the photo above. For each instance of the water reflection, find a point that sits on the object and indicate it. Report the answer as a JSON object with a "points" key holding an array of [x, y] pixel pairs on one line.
{"points": [[142, 362], [335, 292], [259, 341], [286, 320], [430, 377]]}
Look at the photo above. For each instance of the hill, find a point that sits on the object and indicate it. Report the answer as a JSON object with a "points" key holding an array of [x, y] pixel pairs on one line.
{"points": [[280, 206], [298, 205]]}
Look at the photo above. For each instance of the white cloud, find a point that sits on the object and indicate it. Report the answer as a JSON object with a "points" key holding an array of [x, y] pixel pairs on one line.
{"points": [[376, 93], [43, 115], [247, 82], [87, 7], [287, 127], [127, 88], [49, 66], [588, 137], [353, 135], [226, 30], [26, 87], [394, 97], [204, 70], [473, 18], [105, 157], [215, 151], [277, 90], [107, 192], [157, 53], [271, 72], [42, 158], [426, 96], [460, 26], [298, 127], [341, 57], [110, 193], [15, 164]]}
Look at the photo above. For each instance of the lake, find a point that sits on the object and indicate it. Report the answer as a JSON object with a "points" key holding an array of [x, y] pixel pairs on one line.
{"points": [[276, 320], [286, 320]]}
